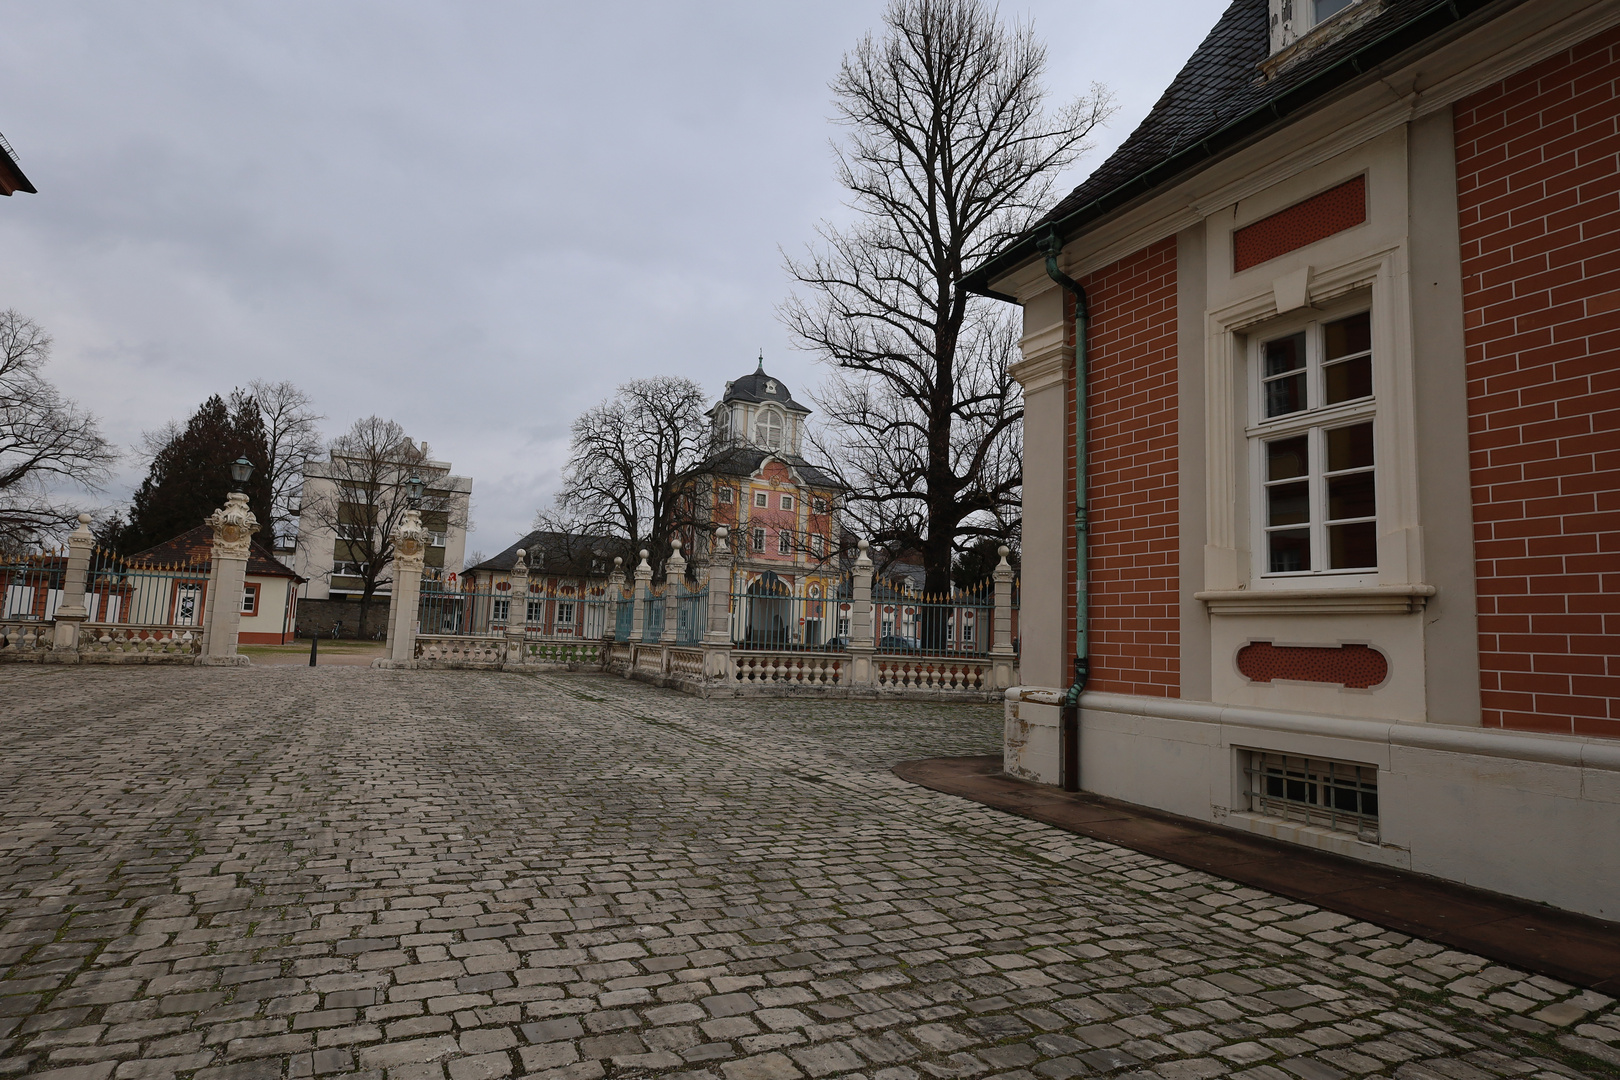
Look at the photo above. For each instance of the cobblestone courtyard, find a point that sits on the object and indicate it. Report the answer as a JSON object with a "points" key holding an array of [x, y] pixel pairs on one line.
{"points": [[278, 872]]}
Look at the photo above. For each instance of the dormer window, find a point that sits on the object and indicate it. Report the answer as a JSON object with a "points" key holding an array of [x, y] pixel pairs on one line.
{"points": [[1293, 19], [770, 386]]}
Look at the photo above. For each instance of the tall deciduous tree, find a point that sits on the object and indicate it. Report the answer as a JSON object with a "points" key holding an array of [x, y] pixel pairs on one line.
{"points": [[369, 467], [46, 441], [626, 464], [292, 439], [190, 475], [950, 152]]}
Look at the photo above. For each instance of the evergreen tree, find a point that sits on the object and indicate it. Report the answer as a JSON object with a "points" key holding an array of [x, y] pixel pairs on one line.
{"points": [[190, 474]]}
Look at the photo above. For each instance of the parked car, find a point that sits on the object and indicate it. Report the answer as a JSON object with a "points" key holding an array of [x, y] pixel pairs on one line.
{"points": [[896, 643]]}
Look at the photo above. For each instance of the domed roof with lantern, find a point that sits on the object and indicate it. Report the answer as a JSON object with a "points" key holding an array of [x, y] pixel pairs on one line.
{"points": [[761, 387]]}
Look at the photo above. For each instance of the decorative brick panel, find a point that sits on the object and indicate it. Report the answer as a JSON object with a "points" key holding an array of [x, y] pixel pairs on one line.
{"points": [[1317, 218], [1134, 551], [1355, 666], [1538, 181]]}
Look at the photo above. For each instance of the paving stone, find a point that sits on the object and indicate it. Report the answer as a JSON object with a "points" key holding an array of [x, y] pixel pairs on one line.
{"points": [[466, 876]]}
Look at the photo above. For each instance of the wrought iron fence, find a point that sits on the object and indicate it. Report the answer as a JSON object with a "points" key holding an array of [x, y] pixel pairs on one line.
{"points": [[547, 613], [916, 624], [776, 620], [652, 617], [125, 592], [33, 586], [692, 615]]}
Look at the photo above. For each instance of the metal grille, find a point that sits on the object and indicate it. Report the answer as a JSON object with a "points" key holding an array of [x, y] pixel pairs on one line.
{"points": [[1336, 795]]}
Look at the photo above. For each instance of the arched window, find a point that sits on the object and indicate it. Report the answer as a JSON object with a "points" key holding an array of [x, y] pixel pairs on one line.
{"points": [[768, 432], [722, 423]]}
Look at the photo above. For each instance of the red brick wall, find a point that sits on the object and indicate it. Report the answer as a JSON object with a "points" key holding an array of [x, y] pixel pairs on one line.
{"points": [[1135, 577], [1538, 181]]}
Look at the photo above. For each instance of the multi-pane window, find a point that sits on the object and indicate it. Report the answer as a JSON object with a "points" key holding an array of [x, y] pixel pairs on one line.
{"points": [[759, 540], [565, 614], [818, 545], [499, 610], [725, 496], [819, 505], [536, 612], [761, 499], [787, 502], [250, 599], [784, 542], [1318, 489], [768, 431]]}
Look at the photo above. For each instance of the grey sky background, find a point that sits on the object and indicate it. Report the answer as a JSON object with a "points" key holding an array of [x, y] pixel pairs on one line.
{"points": [[473, 218]]}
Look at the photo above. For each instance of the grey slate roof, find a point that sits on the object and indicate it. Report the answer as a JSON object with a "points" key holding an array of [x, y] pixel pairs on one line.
{"points": [[1221, 100], [565, 553], [746, 460], [756, 387]]}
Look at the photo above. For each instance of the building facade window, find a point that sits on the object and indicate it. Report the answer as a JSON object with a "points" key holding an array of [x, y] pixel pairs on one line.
{"points": [[784, 542], [725, 496], [565, 614], [819, 505], [1312, 440], [759, 540], [787, 502], [768, 432], [761, 499], [250, 599], [500, 609], [818, 545], [536, 611]]}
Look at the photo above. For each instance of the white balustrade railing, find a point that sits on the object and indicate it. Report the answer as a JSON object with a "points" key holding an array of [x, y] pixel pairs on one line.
{"points": [[23, 638], [459, 649], [118, 639], [563, 651], [932, 673], [800, 669], [688, 662]]}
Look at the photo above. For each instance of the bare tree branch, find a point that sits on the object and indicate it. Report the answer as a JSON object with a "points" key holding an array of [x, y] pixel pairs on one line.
{"points": [[949, 153], [46, 441]]}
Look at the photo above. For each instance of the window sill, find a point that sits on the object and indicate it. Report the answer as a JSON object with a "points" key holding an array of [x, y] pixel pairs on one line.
{"points": [[1374, 600]]}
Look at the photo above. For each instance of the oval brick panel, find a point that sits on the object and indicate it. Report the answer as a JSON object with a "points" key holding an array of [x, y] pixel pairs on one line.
{"points": [[1355, 666]]}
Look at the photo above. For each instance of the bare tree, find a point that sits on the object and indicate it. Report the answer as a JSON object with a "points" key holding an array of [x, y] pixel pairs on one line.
{"points": [[950, 153], [46, 441], [294, 439], [368, 467], [626, 464]]}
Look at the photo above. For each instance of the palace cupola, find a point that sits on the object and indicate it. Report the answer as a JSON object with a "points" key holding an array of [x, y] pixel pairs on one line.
{"points": [[758, 410]]}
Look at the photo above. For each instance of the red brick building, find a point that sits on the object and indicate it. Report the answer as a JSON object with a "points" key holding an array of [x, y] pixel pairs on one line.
{"points": [[1343, 315]]}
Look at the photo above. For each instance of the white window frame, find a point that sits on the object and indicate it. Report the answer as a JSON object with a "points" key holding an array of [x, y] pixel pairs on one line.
{"points": [[565, 613], [819, 506], [770, 422], [818, 545], [1314, 422], [762, 500], [784, 541], [1230, 587], [725, 495], [759, 540], [250, 599], [787, 502]]}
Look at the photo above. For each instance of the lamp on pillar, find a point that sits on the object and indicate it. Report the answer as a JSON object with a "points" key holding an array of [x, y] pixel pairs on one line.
{"points": [[413, 490], [241, 471]]}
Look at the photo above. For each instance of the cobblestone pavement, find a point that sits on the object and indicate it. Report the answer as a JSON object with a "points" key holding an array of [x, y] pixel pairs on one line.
{"points": [[276, 872]]}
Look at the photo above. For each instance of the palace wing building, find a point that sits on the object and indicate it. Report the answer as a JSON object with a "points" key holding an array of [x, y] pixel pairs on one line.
{"points": [[1341, 318]]}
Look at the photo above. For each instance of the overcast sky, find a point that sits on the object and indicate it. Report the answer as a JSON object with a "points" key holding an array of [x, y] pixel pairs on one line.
{"points": [[473, 218]]}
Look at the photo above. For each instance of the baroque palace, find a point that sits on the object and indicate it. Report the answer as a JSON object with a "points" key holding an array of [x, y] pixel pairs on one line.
{"points": [[781, 511]]}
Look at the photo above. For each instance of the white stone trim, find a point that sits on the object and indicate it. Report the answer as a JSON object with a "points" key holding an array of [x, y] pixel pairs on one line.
{"points": [[1376, 600]]}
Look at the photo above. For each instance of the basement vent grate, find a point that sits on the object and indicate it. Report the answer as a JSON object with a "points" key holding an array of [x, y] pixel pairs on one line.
{"points": [[1337, 795]]}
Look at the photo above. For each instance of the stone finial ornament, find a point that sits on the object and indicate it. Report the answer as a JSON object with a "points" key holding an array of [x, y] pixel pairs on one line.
{"points": [[410, 541], [234, 526]]}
